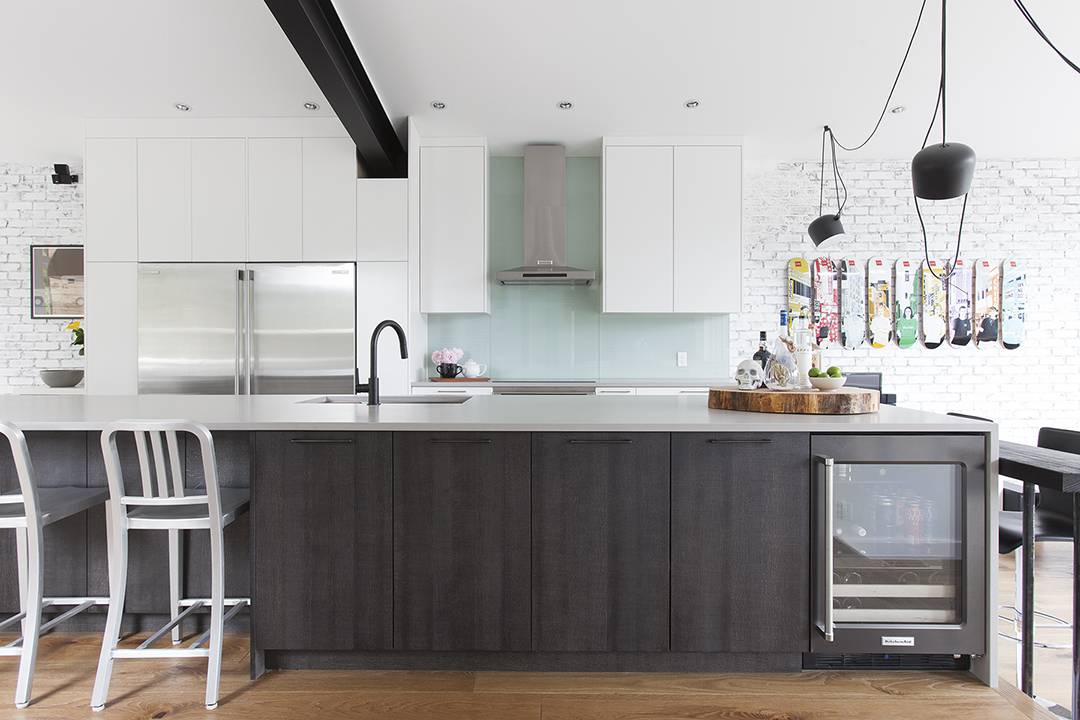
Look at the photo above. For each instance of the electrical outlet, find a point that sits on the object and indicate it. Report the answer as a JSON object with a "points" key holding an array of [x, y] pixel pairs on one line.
{"points": [[680, 358]]}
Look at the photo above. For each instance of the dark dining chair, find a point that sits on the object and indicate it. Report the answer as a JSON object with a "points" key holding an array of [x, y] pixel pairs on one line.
{"points": [[1053, 523]]}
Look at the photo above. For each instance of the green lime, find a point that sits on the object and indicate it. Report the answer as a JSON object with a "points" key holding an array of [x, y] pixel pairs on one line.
{"points": [[814, 372], [834, 372]]}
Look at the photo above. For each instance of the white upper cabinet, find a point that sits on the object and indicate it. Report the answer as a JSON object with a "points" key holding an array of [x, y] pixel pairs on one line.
{"points": [[329, 199], [164, 189], [672, 226], [708, 229], [637, 274], [453, 229], [218, 200], [112, 232], [274, 199], [382, 293], [382, 219]]}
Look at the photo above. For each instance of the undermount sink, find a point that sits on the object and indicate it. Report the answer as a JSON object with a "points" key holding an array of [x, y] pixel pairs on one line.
{"points": [[387, 400]]}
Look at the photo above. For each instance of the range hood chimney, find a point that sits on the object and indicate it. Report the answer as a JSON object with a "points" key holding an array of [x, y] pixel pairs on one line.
{"points": [[545, 223]]}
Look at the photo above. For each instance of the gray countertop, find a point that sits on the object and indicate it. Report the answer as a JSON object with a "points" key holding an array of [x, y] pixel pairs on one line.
{"points": [[483, 413]]}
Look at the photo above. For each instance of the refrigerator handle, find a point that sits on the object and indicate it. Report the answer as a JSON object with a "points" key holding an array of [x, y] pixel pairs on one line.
{"points": [[240, 330], [826, 626], [249, 330]]}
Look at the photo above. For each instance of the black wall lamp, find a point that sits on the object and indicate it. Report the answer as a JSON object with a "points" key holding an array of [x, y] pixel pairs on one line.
{"points": [[62, 175], [828, 225]]}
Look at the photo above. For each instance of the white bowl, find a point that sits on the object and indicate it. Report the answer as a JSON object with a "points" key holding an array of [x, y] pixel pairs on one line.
{"points": [[828, 383]]}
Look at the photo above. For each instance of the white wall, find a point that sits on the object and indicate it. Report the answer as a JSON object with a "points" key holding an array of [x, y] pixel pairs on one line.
{"points": [[32, 211], [1027, 210]]}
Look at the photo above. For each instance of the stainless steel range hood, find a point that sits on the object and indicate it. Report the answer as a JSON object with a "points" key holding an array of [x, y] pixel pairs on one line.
{"points": [[545, 223]]}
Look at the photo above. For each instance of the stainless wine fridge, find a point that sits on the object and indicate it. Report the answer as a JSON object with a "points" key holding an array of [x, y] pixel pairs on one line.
{"points": [[899, 533]]}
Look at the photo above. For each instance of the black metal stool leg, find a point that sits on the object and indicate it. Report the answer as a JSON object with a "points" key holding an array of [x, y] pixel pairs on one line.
{"points": [[1027, 638]]}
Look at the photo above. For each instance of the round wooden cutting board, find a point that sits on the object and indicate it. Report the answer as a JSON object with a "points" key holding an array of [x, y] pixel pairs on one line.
{"points": [[843, 401]]}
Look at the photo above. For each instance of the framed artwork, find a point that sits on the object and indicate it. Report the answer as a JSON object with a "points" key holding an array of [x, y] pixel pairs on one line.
{"points": [[57, 282]]}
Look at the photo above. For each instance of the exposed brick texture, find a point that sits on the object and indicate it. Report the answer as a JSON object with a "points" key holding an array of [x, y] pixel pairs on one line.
{"points": [[1023, 209], [32, 211]]}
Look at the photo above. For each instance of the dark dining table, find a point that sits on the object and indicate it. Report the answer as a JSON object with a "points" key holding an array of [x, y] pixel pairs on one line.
{"points": [[1057, 470]]}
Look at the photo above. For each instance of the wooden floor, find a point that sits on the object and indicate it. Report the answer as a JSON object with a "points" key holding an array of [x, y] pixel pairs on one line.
{"points": [[174, 689], [1053, 594]]}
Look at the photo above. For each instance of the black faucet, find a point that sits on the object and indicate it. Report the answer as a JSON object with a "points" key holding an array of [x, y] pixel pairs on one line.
{"points": [[372, 387]]}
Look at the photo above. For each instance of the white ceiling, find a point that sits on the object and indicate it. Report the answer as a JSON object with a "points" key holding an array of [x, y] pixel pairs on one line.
{"points": [[65, 60], [772, 70]]}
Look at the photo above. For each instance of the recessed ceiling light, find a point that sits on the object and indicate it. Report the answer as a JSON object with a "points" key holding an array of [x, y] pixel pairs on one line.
{"points": [[565, 105], [691, 104], [182, 107], [438, 105], [898, 109], [311, 106]]}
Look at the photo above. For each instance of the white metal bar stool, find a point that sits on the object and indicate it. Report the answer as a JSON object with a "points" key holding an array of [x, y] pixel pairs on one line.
{"points": [[156, 509], [28, 512]]}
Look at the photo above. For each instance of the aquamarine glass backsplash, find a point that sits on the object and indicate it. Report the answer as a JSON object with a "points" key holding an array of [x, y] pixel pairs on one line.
{"points": [[558, 332]]}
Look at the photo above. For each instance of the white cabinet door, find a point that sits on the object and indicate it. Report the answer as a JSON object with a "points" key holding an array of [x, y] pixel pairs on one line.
{"points": [[616, 391], [471, 390], [382, 219], [708, 229], [164, 187], [218, 200], [112, 231], [274, 199], [453, 230], [382, 293], [668, 391], [112, 321], [638, 267], [329, 191]]}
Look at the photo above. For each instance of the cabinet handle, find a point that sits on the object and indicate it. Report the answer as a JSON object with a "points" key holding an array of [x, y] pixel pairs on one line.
{"points": [[462, 441], [827, 627], [617, 441], [613, 392], [457, 392], [725, 441], [321, 441], [693, 392]]}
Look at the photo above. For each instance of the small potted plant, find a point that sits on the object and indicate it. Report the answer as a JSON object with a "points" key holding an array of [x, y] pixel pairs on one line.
{"points": [[68, 378]]}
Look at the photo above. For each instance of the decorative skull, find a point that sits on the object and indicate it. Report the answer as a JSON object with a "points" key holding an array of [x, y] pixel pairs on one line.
{"points": [[749, 375]]}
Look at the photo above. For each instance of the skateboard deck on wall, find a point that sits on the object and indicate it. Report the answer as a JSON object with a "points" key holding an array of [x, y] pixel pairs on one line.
{"points": [[826, 288], [852, 303], [879, 302], [799, 290], [987, 302], [934, 326], [1012, 304], [958, 287], [906, 293]]}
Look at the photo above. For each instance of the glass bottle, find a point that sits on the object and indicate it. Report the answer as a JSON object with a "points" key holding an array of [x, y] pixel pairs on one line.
{"points": [[804, 349], [762, 355]]}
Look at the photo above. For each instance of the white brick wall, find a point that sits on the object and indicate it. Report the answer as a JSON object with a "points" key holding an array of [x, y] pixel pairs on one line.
{"points": [[32, 211], [1023, 209]]}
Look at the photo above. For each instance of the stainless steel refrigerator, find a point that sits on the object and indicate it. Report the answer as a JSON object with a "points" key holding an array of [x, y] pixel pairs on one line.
{"points": [[246, 329]]}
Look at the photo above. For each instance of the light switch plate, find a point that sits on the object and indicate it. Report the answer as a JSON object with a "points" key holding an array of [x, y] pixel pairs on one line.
{"points": [[680, 359]]}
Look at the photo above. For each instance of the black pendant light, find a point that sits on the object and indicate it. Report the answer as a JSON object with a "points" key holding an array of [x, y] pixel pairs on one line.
{"points": [[942, 171], [828, 225]]}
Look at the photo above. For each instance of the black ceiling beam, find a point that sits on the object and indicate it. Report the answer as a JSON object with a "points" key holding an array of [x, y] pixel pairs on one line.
{"points": [[316, 32]]}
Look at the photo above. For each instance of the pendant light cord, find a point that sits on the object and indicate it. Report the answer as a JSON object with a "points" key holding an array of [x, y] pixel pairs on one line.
{"points": [[838, 179], [944, 95], [1031, 21], [821, 191], [926, 248], [896, 80]]}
